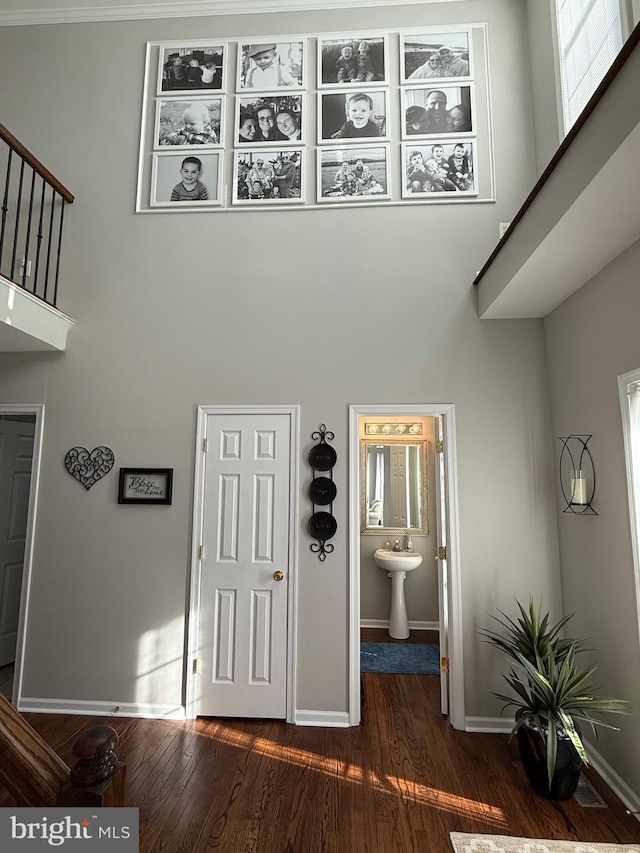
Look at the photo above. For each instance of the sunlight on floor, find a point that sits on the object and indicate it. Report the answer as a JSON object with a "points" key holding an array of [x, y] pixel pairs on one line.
{"points": [[410, 791]]}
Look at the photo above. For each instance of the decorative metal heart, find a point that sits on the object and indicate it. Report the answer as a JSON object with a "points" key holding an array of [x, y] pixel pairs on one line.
{"points": [[87, 467]]}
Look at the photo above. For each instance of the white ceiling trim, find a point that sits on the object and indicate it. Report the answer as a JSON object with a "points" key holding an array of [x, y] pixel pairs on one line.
{"points": [[182, 9]]}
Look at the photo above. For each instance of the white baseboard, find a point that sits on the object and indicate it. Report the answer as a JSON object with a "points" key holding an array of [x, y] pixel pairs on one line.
{"points": [[488, 725], [101, 709], [413, 626], [325, 719], [619, 787]]}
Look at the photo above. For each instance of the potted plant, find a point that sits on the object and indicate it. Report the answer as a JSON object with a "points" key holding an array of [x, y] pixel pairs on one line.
{"points": [[551, 696]]}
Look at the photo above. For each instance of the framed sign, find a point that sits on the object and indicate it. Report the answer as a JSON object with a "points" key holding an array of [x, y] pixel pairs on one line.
{"points": [[145, 486]]}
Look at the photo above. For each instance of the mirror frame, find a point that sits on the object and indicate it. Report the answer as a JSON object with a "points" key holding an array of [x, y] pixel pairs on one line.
{"points": [[423, 530]]}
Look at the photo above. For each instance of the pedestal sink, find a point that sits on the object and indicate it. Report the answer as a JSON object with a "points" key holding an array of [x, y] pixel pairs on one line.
{"points": [[397, 564]]}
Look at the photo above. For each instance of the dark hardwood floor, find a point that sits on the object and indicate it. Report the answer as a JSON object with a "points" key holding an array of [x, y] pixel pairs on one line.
{"points": [[398, 783]]}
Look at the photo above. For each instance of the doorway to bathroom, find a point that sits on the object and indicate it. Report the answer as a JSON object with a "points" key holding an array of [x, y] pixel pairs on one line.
{"points": [[431, 512]]}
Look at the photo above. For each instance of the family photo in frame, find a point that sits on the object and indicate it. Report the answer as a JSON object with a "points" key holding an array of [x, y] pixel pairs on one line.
{"points": [[445, 109], [350, 173], [182, 179], [438, 167], [189, 69], [268, 177], [354, 115], [271, 65], [352, 60], [183, 123], [434, 54], [270, 118]]}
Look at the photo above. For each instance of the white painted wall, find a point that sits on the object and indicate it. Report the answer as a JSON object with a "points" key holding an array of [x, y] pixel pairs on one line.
{"points": [[590, 340], [254, 308]]}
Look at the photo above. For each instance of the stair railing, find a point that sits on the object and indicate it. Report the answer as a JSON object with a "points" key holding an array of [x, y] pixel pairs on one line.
{"points": [[31, 222]]}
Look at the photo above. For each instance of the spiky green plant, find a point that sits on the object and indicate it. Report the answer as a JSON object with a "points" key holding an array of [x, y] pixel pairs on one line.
{"points": [[530, 635], [552, 695]]}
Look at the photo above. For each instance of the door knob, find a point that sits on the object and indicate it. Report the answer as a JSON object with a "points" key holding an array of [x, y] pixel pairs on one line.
{"points": [[278, 576]]}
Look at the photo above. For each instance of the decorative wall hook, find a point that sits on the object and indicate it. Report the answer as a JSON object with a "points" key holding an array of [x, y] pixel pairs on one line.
{"points": [[322, 490], [89, 466], [577, 474]]}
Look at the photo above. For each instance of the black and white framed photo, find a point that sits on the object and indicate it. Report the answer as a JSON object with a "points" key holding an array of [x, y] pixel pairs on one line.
{"points": [[191, 68], [276, 119], [271, 65], [181, 180], [145, 486], [434, 54], [353, 116], [352, 60], [189, 122], [268, 177], [353, 174], [436, 109], [442, 168]]}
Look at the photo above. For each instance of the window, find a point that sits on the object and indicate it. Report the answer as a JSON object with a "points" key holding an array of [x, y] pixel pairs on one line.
{"points": [[589, 39], [629, 388]]}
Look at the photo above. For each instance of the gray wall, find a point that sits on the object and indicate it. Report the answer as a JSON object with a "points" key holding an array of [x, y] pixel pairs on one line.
{"points": [[591, 339], [178, 309]]}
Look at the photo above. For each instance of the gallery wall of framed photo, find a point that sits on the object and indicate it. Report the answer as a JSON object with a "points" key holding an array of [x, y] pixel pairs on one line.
{"points": [[303, 121]]}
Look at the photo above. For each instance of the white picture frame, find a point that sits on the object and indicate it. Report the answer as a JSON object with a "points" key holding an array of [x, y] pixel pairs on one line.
{"points": [[337, 188], [286, 70], [268, 179], [418, 46], [199, 49], [269, 111], [189, 123], [446, 110], [166, 176], [340, 112], [367, 68], [420, 180]]}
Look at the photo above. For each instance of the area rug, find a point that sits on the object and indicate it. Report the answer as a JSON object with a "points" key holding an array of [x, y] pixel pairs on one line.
{"points": [[463, 842], [420, 658]]}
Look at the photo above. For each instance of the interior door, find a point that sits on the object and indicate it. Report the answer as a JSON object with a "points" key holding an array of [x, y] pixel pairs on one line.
{"points": [[242, 642], [441, 557], [16, 453]]}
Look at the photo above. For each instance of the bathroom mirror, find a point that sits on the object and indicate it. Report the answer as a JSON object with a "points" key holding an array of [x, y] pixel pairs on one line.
{"points": [[393, 486]]}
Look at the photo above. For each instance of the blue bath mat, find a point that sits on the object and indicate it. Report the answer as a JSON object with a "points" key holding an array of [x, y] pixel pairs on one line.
{"points": [[421, 658]]}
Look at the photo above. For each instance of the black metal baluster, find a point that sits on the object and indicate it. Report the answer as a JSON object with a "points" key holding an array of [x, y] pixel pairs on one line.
{"points": [[39, 238], [46, 275], [5, 203], [28, 237], [55, 290], [17, 225]]}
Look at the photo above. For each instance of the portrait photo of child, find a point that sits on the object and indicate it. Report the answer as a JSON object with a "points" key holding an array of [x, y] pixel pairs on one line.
{"points": [[191, 68], [190, 123], [268, 66], [352, 60], [353, 173], [268, 177], [442, 169], [354, 115], [180, 180]]}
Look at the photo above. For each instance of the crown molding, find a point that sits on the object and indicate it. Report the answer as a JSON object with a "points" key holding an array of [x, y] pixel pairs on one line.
{"points": [[182, 9]]}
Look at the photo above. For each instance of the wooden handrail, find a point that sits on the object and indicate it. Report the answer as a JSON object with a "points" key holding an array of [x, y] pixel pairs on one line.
{"points": [[627, 49], [35, 164]]}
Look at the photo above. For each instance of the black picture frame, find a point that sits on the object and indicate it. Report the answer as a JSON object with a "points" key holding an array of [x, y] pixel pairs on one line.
{"points": [[145, 486]]}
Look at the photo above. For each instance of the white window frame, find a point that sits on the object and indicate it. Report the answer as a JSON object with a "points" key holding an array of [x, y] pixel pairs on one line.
{"points": [[630, 409], [629, 13]]}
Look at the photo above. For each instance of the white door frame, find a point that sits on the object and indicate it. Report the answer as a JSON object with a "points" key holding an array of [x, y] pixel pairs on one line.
{"points": [[456, 673], [36, 409], [198, 505]]}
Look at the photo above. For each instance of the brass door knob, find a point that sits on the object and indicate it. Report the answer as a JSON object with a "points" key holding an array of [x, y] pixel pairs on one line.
{"points": [[278, 576]]}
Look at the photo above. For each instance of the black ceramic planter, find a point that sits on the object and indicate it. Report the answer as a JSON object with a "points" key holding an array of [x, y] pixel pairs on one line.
{"points": [[534, 760]]}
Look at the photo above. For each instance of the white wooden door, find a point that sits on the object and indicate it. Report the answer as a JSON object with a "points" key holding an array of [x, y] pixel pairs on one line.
{"points": [[398, 476], [443, 577], [242, 643], [16, 452]]}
